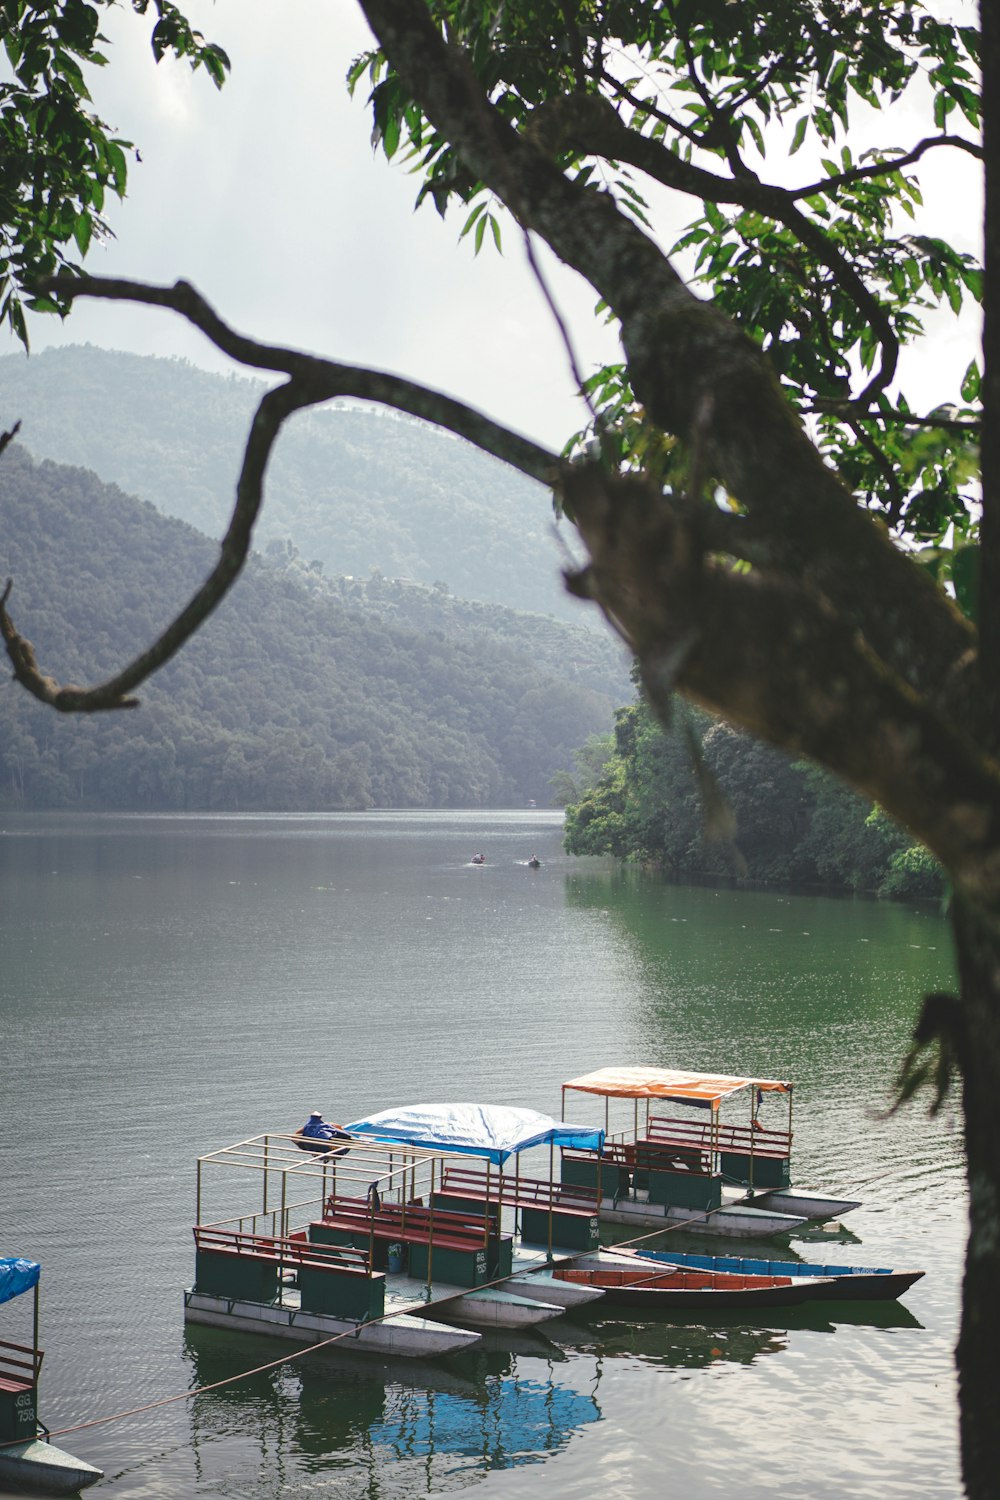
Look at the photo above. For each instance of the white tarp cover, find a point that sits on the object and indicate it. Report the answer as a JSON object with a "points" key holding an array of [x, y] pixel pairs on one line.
{"points": [[493, 1131]]}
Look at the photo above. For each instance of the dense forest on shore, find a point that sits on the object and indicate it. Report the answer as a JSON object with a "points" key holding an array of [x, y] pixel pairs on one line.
{"points": [[300, 693], [703, 801], [351, 489]]}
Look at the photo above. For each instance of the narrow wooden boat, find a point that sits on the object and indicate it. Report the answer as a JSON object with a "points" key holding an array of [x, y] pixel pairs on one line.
{"points": [[840, 1283], [675, 1288]]}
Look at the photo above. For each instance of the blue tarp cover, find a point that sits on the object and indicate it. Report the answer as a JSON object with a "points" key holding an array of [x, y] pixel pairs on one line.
{"points": [[493, 1131], [17, 1275]]}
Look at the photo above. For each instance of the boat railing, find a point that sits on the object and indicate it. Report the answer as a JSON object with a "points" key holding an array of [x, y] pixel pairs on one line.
{"points": [[20, 1362], [275, 1222], [290, 1253], [518, 1192], [744, 1140]]}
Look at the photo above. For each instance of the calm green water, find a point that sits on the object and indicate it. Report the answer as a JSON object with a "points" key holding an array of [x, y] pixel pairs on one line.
{"points": [[172, 985]]}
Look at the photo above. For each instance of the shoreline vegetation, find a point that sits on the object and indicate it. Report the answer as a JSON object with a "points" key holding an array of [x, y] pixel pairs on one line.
{"points": [[703, 802]]}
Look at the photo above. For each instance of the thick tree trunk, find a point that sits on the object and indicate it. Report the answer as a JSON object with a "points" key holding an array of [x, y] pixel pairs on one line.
{"points": [[974, 1032]]}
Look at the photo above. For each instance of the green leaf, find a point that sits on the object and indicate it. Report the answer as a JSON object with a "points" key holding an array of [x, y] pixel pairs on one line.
{"points": [[82, 231], [971, 383], [965, 578]]}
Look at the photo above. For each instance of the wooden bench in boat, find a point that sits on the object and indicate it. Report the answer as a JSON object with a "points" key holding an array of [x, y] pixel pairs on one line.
{"points": [[550, 1212], [408, 1223], [464, 1248], [680, 1175], [745, 1153], [518, 1192], [19, 1367], [334, 1279]]}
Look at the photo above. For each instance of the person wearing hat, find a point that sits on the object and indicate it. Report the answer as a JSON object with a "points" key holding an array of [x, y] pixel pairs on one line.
{"points": [[321, 1132]]}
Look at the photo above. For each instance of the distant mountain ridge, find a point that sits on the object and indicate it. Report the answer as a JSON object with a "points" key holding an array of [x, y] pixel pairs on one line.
{"points": [[299, 693], [354, 489]]}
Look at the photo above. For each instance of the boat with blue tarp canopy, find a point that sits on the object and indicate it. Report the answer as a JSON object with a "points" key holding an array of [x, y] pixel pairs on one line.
{"points": [[28, 1460], [17, 1275], [493, 1132]]}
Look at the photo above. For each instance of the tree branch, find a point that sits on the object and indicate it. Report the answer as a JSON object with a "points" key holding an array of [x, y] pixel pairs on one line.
{"points": [[589, 123], [311, 381], [680, 351], [829, 185], [787, 665]]}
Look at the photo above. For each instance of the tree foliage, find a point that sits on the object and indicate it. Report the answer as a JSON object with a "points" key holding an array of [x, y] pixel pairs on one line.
{"points": [[58, 159], [828, 277], [786, 821]]}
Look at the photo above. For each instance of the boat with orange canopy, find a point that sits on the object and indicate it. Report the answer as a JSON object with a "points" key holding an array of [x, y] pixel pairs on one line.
{"points": [[674, 1158]]}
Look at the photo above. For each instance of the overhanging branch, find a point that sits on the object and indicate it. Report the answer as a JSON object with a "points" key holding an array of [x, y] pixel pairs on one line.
{"points": [[310, 381]]}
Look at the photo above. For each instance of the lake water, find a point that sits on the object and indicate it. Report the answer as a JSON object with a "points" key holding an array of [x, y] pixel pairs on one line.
{"points": [[172, 985]]}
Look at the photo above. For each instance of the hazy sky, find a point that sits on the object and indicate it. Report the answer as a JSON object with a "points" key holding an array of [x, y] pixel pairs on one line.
{"points": [[267, 197]]}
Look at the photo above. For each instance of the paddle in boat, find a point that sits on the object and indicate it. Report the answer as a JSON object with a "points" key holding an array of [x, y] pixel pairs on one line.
{"points": [[840, 1283], [28, 1462], [677, 1161]]}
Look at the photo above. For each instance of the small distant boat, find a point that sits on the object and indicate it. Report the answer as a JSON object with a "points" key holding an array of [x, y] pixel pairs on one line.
{"points": [[841, 1283], [675, 1287], [534, 863], [478, 859], [28, 1461]]}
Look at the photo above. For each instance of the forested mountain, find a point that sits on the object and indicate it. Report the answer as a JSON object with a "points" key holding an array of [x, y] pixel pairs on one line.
{"points": [[353, 489], [287, 699], [707, 802]]}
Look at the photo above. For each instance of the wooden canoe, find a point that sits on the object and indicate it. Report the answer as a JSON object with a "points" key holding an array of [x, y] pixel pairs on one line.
{"points": [[673, 1287]]}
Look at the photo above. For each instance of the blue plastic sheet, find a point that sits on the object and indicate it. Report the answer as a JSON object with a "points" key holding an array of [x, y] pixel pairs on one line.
{"points": [[17, 1275], [491, 1131]]}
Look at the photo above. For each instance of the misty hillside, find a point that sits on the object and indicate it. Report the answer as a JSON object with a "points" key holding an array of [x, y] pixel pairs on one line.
{"points": [[350, 488], [293, 695]]}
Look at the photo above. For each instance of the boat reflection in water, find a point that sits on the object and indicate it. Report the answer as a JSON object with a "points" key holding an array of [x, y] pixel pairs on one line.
{"points": [[413, 1426], [327, 1411]]}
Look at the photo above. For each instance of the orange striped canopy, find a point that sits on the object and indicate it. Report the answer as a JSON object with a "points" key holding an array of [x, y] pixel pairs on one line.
{"points": [[669, 1083]]}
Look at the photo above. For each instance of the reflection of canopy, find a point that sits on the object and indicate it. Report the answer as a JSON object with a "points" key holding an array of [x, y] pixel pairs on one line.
{"points": [[17, 1275], [508, 1422], [669, 1083], [494, 1131]]}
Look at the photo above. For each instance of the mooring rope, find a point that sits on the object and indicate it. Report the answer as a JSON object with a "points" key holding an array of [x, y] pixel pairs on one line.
{"points": [[353, 1333]]}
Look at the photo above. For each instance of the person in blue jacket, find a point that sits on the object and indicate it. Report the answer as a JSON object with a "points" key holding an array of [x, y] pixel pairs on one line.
{"points": [[318, 1134]]}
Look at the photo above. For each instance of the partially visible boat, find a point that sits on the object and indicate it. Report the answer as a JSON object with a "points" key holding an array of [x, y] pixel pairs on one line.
{"points": [[391, 1237], [841, 1283], [28, 1461], [478, 859], [676, 1288]]}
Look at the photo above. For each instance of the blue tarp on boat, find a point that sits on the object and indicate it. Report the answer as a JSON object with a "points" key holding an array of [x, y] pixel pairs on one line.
{"points": [[492, 1131], [17, 1275]]}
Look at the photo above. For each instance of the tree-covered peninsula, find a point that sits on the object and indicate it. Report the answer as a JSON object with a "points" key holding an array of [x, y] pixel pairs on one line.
{"points": [[701, 800]]}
